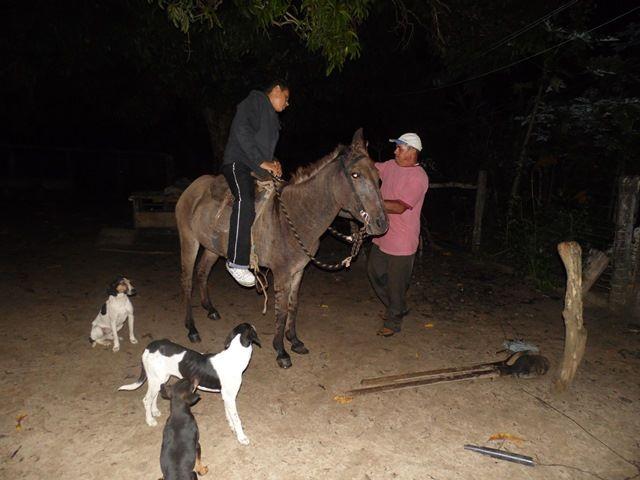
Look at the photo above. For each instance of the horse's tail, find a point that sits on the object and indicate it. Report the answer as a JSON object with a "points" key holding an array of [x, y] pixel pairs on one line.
{"points": [[141, 379]]}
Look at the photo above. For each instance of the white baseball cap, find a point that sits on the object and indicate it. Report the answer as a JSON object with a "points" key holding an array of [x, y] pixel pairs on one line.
{"points": [[410, 139]]}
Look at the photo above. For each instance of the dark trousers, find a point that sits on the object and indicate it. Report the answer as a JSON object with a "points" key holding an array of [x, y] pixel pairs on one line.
{"points": [[390, 276], [242, 186]]}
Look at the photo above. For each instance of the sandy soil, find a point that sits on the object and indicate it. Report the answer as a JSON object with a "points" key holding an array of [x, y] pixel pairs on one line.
{"points": [[61, 417]]}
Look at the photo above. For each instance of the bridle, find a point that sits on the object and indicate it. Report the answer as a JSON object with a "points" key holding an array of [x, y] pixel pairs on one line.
{"points": [[355, 238], [363, 213]]}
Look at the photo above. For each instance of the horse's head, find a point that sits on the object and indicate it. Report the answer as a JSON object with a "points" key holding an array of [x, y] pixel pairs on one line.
{"points": [[362, 198]]}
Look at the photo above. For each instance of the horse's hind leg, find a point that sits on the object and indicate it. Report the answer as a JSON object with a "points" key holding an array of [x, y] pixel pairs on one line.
{"points": [[281, 288], [207, 261], [292, 311], [188, 252]]}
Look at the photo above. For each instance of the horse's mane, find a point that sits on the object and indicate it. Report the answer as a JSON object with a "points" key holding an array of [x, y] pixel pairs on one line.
{"points": [[306, 172]]}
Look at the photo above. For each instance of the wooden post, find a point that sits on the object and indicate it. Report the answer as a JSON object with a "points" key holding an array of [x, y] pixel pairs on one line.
{"points": [[575, 334], [481, 195], [622, 278], [596, 264]]}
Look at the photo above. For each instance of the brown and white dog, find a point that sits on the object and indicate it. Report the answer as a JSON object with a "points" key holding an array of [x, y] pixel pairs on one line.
{"points": [[114, 312]]}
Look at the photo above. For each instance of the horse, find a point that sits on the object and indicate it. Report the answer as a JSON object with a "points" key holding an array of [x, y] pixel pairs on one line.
{"points": [[343, 182]]}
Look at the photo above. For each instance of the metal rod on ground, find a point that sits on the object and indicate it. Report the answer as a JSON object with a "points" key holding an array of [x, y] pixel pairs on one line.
{"points": [[443, 371], [502, 455], [427, 381]]}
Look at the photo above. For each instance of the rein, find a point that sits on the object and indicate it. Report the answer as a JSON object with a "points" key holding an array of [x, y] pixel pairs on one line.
{"points": [[355, 239]]}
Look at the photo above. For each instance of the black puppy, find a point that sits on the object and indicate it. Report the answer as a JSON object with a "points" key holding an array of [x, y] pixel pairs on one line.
{"points": [[180, 439]]}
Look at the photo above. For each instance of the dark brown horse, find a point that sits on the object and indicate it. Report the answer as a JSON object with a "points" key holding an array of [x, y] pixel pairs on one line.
{"points": [[345, 180]]}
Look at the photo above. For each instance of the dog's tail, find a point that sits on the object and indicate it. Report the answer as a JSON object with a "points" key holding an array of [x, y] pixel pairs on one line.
{"points": [[138, 384]]}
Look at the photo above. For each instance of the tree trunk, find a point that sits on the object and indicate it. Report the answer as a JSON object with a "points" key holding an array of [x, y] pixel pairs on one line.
{"points": [[515, 186], [623, 267], [636, 261], [481, 195], [218, 123], [575, 333]]}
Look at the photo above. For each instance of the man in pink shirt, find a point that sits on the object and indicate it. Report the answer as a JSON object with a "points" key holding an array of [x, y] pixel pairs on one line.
{"points": [[404, 185]]}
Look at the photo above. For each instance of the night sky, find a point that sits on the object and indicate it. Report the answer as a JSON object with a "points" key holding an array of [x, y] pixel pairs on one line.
{"points": [[116, 76]]}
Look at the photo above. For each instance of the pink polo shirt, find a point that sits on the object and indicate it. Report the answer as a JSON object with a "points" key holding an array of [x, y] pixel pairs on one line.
{"points": [[409, 186]]}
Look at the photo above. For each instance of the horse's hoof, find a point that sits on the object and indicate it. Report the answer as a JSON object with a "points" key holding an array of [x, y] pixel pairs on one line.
{"points": [[284, 361], [299, 348], [194, 337], [214, 315]]}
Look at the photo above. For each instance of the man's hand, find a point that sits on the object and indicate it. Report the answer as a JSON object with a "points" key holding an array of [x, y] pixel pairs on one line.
{"points": [[273, 167]]}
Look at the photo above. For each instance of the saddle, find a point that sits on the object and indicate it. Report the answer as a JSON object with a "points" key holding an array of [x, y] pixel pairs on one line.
{"points": [[264, 190]]}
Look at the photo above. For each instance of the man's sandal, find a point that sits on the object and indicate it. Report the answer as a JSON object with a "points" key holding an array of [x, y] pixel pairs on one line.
{"points": [[386, 332]]}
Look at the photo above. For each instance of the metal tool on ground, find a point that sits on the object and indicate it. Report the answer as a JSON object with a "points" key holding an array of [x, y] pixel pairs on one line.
{"points": [[502, 455], [520, 364]]}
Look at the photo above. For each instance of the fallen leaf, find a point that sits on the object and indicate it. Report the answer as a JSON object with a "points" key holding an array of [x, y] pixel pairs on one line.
{"points": [[19, 419], [342, 399], [507, 436], [428, 325], [446, 254], [324, 306]]}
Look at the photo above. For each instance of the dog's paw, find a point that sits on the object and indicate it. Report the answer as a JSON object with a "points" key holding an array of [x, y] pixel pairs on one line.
{"points": [[152, 422], [203, 470], [116, 348], [244, 440], [133, 340]]}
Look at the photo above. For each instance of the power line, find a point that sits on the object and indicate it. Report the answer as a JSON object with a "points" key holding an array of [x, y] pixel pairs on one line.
{"points": [[504, 67], [526, 28]]}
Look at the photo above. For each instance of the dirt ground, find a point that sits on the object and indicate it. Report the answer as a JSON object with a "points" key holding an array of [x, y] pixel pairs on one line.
{"points": [[61, 416]]}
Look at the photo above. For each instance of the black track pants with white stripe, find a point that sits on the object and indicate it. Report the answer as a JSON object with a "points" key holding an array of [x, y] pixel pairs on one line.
{"points": [[242, 186]]}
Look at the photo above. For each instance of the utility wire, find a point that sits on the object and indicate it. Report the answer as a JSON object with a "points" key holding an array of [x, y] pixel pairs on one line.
{"points": [[526, 28], [504, 67]]}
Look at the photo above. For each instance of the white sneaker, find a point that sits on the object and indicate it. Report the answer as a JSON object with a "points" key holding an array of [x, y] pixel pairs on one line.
{"points": [[242, 275]]}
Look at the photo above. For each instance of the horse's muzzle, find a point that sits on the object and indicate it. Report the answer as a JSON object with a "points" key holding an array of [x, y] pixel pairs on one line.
{"points": [[378, 226]]}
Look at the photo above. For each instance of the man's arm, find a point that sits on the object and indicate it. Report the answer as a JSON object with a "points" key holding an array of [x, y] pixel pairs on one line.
{"points": [[396, 206]]}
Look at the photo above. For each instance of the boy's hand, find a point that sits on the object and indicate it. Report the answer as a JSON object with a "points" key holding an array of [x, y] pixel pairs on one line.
{"points": [[273, 167]]}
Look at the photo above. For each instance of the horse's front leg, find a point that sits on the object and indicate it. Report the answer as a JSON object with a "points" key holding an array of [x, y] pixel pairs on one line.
{"points": [[290, 328], [282, 288]]}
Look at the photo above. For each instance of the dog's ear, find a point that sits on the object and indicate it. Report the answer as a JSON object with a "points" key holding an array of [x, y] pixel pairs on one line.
{"points": [[230, 337], [103, 309], [250, 336], [193, 396], [112, 290], [165, 391]]}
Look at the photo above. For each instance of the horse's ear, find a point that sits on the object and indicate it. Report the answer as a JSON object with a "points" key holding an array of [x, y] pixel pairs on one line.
{"points": [[358, 139]]}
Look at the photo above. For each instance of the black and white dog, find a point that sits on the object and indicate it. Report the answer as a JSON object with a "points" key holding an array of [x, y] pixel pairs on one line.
{"points": [[114, 312], [220, 372], [181, 452]]}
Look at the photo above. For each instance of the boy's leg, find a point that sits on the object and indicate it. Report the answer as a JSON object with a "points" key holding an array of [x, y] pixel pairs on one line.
{"points": [[243, 188], [242, 215]]}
